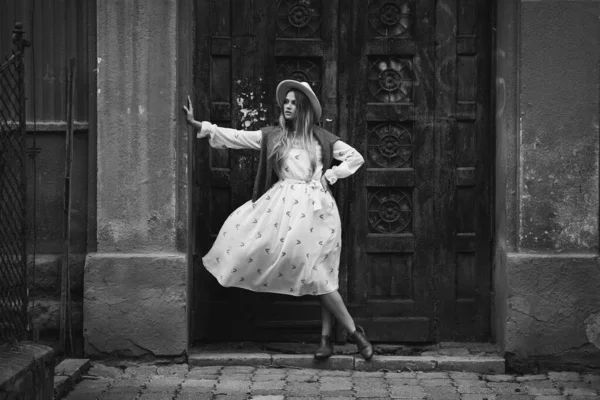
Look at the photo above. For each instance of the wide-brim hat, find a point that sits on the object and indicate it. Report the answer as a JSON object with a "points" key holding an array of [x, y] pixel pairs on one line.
{"points": [[285, 86]]}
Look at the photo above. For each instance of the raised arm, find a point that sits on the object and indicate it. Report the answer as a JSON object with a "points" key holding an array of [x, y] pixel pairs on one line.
{"points": [[220, 137], [350, 158]]}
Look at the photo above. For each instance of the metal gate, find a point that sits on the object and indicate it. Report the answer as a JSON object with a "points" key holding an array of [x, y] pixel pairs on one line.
{"points": [[13, 194]]}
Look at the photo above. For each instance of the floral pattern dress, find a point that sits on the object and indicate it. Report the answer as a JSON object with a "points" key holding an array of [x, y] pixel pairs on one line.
{"points": [[289, 240]]}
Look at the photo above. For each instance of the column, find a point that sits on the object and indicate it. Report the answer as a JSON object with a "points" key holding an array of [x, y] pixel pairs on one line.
{"points": [[135, 284]]}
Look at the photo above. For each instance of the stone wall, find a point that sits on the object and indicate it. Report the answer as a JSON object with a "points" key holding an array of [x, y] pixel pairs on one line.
{"points": [[44, 297], [553, 310], [547, 266]]}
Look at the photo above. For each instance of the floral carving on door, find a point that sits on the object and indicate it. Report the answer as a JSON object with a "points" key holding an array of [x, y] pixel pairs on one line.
{"points": [[390, 80], [298, 19], [390, 18]]}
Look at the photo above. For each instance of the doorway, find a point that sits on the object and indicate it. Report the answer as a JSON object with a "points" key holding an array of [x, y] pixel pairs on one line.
{"points": [[405, 82]]}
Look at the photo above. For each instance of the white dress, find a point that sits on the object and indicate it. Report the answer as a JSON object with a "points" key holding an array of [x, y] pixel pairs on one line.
{"points": [[289, 240]]}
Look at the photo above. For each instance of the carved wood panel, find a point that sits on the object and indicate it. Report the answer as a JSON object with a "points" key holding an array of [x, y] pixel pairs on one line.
{"points": [[420, 263], [299, 19], [391, 125]]}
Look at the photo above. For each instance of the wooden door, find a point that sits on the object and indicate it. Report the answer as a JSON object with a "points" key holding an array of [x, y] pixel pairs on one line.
{"points": [[406, 82], [244, 49], [419, 268], [464, 157]]}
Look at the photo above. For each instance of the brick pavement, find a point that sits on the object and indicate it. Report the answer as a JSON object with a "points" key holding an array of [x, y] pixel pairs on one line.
{"points": [[178, 382]]}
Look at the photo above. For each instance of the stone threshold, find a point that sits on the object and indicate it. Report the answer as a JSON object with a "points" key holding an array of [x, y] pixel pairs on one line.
{"points": [[485, 364]]}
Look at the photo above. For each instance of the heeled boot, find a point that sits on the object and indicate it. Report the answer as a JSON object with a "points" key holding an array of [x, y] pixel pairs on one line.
{"points": [[359, 338], [325, 349]]}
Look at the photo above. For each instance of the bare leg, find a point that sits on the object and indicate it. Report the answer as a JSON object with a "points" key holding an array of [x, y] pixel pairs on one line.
{"points": [[326, 321], [335, 305], [325, 349]]}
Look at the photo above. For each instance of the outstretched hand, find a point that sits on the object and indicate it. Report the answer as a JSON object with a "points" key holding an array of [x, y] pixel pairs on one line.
{"points": [[189, 111]]}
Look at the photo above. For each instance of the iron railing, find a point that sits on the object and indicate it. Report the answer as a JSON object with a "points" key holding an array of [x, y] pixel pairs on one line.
{"points": [[13, 194]]}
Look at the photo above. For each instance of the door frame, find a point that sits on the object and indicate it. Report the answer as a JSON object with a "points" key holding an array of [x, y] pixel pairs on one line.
{"points": [[505, 16]]}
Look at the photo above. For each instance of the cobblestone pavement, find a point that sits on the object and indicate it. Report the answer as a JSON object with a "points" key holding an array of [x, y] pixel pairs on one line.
{"points": [[146, 382]]}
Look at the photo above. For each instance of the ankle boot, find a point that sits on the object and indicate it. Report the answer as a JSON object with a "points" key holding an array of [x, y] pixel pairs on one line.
{"points": [[325, 349], [360, 339]]}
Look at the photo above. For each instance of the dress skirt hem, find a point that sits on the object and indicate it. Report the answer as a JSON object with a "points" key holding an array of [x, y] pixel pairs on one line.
{"points": [[286, 242], [256, 289]]}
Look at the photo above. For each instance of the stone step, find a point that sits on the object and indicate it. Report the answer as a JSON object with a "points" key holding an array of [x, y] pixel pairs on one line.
{"points": [[67, 374], [482, 364], [21, 365]]}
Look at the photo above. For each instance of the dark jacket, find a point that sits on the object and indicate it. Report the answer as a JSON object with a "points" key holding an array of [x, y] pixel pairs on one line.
{"points": [[267, 166]]}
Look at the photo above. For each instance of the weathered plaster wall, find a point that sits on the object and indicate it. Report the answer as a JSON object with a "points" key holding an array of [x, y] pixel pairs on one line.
{"points": [[553, 307], [136, 125], [559, 130], [551, 266], [135, 285]]}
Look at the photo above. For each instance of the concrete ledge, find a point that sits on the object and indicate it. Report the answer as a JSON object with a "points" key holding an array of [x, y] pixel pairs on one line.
{"points": [[229, 359], [135, 304], [308, 361], [481, 365], [67, 374], [26, 369], [396, 363]]}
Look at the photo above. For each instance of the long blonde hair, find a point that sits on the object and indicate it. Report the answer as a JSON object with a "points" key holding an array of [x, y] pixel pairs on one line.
{"points": [[298, 131]]}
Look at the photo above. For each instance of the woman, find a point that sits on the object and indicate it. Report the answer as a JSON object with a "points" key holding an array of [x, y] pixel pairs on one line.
{"points": [[287, 240]]}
